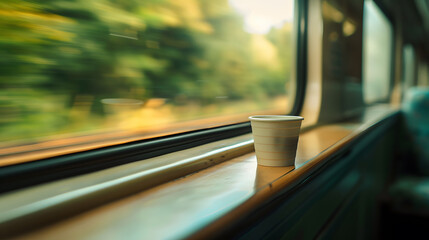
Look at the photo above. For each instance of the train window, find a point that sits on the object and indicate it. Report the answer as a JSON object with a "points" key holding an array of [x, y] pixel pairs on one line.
{"points": [[99, 70], [377, 53], [409, 63], [423, 74]]}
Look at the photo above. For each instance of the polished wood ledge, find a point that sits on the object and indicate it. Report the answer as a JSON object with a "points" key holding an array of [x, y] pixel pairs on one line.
{"points": [[195, 205]]}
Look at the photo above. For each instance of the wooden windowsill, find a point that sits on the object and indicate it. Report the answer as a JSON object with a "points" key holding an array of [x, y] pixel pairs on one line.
{"points": [[195, 205]]}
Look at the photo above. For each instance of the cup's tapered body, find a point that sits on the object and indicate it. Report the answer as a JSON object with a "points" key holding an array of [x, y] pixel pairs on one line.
{"points": [[276, 139]]}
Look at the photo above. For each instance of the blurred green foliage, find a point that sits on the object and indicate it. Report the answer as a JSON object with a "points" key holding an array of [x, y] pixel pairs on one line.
{"points": [[63, 55]]}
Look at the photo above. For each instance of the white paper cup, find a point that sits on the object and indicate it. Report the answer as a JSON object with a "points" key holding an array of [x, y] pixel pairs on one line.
{"points": [[276, 139]]}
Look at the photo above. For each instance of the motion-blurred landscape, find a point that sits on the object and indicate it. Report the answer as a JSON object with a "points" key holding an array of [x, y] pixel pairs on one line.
{"points": [[88, 66]]}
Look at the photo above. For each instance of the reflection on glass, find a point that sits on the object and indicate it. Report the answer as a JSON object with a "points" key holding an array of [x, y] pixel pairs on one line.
{"points": [[332, 12], [349, 28], [80, 67], [377, 53]]}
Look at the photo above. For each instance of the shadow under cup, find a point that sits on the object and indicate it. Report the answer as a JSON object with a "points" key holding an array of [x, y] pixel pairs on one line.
{"points": [[276, 139]]}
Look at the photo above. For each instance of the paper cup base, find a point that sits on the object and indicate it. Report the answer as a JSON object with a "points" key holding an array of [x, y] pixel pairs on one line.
{"points": [[276, 163]]}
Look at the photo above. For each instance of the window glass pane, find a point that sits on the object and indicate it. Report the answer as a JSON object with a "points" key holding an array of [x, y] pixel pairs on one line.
{"points": [[408, 73], [94, 70], [377, 53], [423, 77]]}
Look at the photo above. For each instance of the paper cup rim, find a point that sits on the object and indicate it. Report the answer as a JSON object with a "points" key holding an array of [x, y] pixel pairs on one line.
{"points": [[275, 118]]}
